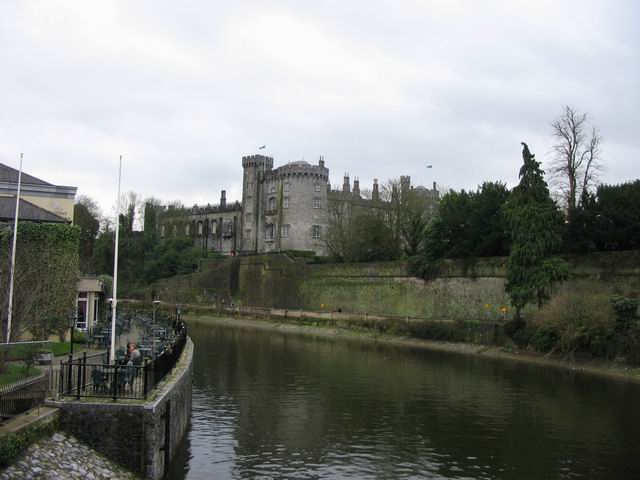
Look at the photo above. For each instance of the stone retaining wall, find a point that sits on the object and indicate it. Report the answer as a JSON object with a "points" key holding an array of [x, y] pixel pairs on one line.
{"points": [[133, 433]]}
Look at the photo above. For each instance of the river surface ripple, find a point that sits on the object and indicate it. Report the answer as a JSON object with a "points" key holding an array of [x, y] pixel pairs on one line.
{"points": [[270, 404]]}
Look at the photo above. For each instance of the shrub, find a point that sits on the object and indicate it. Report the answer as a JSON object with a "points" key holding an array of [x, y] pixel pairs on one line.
{"points": [[12, 444], [79, 336]]}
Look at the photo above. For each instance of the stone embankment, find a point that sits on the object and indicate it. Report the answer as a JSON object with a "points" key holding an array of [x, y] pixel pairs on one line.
{"points": [[63, 457]]}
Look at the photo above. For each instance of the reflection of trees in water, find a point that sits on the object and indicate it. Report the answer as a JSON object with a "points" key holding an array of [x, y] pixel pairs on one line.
{"points": [[318, 397]]}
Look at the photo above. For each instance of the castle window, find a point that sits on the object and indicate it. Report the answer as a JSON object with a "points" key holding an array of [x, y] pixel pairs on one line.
{"points": [[199, 228], [272, 188], [186, 229], [249, 217], [286, 202], [316, 203], [162, 231], [247, 233], [249, 185], [287, 187], [272, 204], [316, 231], [316, 187], [285, 231], [227, 228], [268, 231]]}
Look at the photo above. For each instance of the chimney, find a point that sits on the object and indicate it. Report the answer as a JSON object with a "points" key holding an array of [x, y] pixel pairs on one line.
{"points": [[375, 194], [321, 162], [346, 185], [356, 187], [223, 199], [434, 186]]}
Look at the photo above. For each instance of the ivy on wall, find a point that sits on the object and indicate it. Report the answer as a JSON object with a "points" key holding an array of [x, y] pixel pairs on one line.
{"points": [[46, 276]]}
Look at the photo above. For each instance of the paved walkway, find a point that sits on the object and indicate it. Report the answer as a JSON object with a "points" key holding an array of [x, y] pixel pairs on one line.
{"points": [[63, 457]]}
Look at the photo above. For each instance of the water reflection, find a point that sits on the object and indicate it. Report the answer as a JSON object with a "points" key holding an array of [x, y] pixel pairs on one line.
{"points": [[272, 405]]}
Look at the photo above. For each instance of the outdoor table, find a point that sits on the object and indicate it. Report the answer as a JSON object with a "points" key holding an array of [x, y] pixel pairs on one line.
{"points": [[145, 351]]}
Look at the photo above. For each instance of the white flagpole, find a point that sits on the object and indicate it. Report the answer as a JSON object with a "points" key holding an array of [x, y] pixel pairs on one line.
{"points": [[13, 253], [114, 303]]}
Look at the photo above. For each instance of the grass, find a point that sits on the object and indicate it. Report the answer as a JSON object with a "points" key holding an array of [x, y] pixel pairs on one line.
{"points": [[14, 373], [64, 348]]}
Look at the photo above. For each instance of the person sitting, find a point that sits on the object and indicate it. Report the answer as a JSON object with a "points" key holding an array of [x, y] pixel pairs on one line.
{"points": [[133, 354]]}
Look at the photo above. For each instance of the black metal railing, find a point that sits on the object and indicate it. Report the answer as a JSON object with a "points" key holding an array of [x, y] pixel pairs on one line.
{"points": [[93, 376], [23, 395]]}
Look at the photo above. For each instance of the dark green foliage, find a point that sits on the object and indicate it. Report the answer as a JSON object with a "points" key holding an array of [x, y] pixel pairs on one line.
{"points": [[46, 274], [607, 221], [618, 217], [12, 444], [580, 228], [151, 211], [468, 224], [372, 238], [86, 215], [141, 259], [103, 252], [175, 256], [626, 309], [535, 223]]}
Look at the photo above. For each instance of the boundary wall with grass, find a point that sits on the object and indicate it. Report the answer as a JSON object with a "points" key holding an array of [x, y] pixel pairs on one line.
{"points": [[470, 289], [139, 435]]}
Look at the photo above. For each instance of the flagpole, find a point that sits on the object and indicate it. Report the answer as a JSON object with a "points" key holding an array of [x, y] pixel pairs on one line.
{"points": [[114, 302], [13, 253]]}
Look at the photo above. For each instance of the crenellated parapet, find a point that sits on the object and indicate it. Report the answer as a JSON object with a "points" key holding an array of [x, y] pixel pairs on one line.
{"points": [[257, 161], [299, 169]]}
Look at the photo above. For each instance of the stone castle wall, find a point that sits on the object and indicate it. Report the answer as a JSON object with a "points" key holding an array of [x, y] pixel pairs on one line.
{"points": [[464, 289]]}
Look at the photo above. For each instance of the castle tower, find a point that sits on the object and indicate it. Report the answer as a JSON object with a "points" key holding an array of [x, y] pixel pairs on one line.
{"points": [[405, 184], [346, 184], [254, 168], [356, 187], [375, 194]]}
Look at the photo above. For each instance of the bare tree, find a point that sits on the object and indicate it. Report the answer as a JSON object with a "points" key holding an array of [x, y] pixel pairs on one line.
{"points": [[576, 163]]}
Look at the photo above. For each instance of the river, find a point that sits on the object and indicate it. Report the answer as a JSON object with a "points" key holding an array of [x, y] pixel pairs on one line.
{"points": [[274, 404]]}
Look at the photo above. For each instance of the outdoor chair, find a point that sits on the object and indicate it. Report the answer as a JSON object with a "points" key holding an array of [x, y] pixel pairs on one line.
{"points": [[99, 379], [120, 354], [126, 376]]}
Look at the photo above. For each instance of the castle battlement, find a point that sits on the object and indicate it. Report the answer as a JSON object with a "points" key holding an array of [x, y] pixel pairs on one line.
{"points": [[257, 161], [297, 169]]}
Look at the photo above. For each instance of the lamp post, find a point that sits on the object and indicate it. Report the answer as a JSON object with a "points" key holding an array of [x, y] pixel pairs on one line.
{"points": [[72, 324], [153, 328], [72, 318]]}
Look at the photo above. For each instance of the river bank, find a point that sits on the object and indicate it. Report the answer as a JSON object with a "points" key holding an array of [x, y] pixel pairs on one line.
{"points": [[588, 366]]}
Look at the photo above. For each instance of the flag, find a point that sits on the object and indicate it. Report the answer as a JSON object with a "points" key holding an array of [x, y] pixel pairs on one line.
{"points": [[262, 147], [429, 166]]}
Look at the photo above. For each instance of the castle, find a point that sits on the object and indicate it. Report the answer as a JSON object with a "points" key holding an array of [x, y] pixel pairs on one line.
{"points": [[286, 208]]}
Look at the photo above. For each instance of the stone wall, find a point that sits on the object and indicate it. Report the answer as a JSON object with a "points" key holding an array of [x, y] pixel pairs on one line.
{"points": [[132, 433], [464, 289]]}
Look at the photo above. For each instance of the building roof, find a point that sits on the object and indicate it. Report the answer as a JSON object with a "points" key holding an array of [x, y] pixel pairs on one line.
{"points": [[10, 174], [28, 211]]}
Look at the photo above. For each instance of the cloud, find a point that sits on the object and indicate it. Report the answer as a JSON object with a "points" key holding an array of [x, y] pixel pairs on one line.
{"points": [[184, 90]]}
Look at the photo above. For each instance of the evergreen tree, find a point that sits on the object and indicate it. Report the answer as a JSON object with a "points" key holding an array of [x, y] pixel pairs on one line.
{"points": [[86, 215], [535, 222]]}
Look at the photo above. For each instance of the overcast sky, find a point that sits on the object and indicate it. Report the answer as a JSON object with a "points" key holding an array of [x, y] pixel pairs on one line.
{"points": [[380, 88]]}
